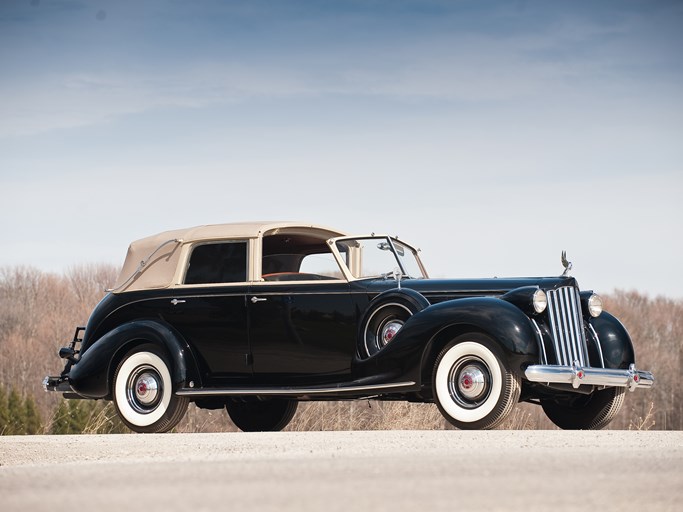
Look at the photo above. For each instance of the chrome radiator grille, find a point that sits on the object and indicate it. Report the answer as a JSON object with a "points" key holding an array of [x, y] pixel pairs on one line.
{"points": [[566, 326]]}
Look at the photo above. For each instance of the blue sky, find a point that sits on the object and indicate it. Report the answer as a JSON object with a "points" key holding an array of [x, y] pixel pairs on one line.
{"points": [[493, 135]]}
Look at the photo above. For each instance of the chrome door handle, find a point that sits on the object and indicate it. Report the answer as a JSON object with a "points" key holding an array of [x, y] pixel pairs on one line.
{"points": [[254, 300], [175, 302]]}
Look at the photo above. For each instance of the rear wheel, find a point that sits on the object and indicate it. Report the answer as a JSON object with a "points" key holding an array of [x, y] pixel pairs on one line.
{"points": [[143, 391], [585, 412], [472, 385], [268, 415]]}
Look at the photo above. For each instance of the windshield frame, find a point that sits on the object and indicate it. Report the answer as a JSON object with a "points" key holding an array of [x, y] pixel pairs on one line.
{"points": [[351, 268]]}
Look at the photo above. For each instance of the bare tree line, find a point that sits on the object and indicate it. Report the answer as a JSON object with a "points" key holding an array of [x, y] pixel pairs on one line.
{"points": [[39, 312]]}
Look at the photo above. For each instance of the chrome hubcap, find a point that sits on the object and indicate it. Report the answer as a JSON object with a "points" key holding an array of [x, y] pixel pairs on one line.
{"points": [[472, 383], [390, 330], [144, 389], [469, 382], [383, 325]]}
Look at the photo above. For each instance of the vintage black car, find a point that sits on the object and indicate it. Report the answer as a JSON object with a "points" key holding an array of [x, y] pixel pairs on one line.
{"points": [[256, 317]]}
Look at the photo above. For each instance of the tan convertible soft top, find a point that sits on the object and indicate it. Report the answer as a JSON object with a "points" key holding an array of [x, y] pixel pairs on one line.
{"points": [[152, 262]]}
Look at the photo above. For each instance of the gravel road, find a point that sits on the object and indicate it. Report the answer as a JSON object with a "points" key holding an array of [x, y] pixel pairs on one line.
{"points": [[345, 471]]}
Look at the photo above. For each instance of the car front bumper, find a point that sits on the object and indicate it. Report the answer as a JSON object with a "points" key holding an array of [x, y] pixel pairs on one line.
{"points": [[578, 376]]}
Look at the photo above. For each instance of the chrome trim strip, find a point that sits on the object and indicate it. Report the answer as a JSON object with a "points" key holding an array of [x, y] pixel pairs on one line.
{"points": [[599, 343], [583, 344], [245, 293], [544, 356], [577, 376], [289, 391]]}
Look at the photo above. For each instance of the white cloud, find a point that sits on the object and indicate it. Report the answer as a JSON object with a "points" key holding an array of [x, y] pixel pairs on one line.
{"points": [[573, 61], [465, 67]]}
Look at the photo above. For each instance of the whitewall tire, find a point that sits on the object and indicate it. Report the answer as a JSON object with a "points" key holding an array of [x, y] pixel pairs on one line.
{"points": [[143, 392], [472, 385]]}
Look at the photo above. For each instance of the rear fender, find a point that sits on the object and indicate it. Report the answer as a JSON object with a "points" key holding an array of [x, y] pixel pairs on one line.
{"points": [[90, 377]]}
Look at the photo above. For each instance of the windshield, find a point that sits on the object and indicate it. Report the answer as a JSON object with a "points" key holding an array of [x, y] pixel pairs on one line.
{"points": [[379, 256]]}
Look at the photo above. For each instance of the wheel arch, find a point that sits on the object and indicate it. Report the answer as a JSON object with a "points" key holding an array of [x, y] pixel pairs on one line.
{"points": [[92, 376], [438, 343], [615, 341], [506, 324], [409, 294]]}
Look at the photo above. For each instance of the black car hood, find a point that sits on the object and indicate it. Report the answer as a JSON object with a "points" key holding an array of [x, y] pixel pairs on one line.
{"points": [[437, 290]]}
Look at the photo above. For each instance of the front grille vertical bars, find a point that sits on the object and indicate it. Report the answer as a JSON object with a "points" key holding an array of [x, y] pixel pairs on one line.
{"points": [[556, 333], [566, 325]]}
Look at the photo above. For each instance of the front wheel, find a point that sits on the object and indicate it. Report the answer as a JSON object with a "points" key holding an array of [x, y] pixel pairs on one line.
{"points": [[143, 392], [267, 415], [585, 412], [472, 385]]}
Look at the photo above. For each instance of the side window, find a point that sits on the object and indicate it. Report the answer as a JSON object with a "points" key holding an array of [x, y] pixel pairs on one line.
{"points": [[224, 262], [298, 257], [322, 264]]}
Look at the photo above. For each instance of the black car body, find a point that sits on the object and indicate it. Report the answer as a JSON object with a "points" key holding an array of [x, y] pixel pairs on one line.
{"points": [[256, 317]]}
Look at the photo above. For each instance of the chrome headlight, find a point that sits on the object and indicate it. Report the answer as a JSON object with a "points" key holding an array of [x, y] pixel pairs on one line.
{"points": [[540, 301], [594, 305]]}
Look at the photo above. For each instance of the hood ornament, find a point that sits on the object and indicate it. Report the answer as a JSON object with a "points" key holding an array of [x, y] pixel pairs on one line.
{"points": [[566, 264]]}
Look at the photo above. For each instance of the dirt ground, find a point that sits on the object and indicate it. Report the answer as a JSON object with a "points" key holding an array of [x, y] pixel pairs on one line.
{"points": [[343, 471]]}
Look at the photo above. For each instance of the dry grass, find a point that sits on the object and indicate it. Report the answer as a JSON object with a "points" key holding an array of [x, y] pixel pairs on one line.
{"points": [[643, 422]]}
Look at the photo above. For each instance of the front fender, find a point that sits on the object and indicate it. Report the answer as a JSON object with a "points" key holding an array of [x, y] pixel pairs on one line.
{"points": [[90, 376], [615, 342], [424, 335]]}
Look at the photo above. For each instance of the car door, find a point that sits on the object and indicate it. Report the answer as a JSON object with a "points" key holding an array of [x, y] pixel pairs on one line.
{"points": [[301, 332], [209, 310], [214, 323]]}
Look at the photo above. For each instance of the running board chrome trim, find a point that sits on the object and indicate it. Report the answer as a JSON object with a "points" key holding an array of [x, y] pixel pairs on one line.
{"points": [[338, 390]]}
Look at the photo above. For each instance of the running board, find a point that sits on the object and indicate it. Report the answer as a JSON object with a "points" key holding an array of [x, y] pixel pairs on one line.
{"points": [[337, 390]]}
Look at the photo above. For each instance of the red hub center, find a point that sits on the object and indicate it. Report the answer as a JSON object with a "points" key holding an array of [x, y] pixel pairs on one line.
{"points": [[467, 381]]}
